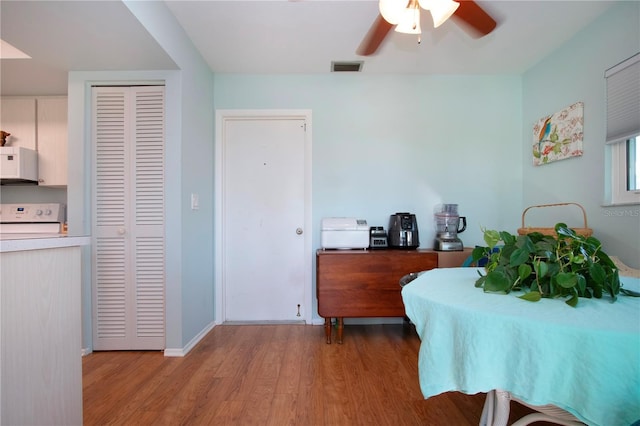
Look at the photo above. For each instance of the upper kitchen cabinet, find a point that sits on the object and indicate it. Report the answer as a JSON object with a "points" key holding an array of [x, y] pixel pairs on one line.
{"points": [[18, 117], [52, 140], [39, 123]]}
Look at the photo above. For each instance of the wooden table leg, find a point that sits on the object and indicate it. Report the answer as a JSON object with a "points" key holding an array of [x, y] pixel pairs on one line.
{"points": [[340, 329], [327, 329]]}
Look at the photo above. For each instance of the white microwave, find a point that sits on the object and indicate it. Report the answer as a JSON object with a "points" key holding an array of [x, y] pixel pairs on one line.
{"points": [[18, 165]]}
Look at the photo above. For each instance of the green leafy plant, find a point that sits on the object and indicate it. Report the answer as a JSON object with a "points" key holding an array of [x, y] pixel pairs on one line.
{"points": [[567, 265]]}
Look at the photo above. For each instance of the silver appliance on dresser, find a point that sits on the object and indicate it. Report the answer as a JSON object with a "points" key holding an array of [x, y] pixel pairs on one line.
{"points": [[32, 220], [378, 238], [403, 231], [448, 225]]}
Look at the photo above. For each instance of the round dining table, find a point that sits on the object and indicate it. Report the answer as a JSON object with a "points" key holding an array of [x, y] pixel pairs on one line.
{"points": [[583, 360]]}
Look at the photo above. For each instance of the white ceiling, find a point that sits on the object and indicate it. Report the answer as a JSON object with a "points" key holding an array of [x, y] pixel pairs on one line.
{"points": [[72, 35], [278, 36]]}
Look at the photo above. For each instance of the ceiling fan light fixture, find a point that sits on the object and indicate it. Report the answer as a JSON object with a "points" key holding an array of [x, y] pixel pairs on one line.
{"points": [[410, 21], [392, 10], [441, 10]]}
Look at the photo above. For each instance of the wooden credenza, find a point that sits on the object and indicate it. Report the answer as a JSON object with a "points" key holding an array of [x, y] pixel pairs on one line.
{"points": [[364, 283]]}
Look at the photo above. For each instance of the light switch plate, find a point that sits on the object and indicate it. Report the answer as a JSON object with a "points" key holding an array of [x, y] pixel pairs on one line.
{"points": [[195, 202]]}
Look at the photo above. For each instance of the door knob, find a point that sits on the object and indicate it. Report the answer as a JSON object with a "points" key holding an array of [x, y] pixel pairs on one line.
{"points": [[299, 231], [121, 231]]}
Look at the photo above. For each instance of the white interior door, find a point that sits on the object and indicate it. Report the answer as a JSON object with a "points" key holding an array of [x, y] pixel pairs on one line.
{"points": [[128, 218], [263, 225]]}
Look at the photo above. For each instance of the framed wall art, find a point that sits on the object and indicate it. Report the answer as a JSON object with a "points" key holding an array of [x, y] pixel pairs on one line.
{"points": [[558, 136]]}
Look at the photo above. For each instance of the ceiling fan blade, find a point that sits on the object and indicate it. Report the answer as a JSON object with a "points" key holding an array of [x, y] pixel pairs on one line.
{"points": [[474, 17], [374, 37]]}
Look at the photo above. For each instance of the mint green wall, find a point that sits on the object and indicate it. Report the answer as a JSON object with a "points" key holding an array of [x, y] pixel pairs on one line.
{"points": [[573, 73], [189, 298], [188, 169], [79, 195], [385, 144]]}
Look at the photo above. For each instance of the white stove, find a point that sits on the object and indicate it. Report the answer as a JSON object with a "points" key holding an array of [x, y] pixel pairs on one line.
{"points": [[39, 220]]}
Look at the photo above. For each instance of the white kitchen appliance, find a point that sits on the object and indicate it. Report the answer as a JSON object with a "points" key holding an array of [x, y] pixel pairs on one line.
{"points": [[42, 220], [344, 233], [18, 165]]}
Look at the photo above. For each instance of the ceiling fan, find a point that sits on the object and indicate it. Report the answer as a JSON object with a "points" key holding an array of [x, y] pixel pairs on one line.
{"points": [[405, 16]]}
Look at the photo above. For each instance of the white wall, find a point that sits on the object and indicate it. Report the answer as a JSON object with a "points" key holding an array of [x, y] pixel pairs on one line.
{"points": [[573, 73], [32, 194], [385, 144]]}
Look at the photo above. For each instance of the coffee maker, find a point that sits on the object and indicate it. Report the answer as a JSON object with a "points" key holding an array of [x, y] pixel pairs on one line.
{"points": [[448, 225], [403, 231]]}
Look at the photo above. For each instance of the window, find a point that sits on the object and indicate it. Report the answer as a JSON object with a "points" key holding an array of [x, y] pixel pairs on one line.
{"points": [[625, 167], [623, 130], [633, 165]]}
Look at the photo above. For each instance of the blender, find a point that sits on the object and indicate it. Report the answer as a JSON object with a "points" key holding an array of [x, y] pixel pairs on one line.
{"points": [[448, 225]]}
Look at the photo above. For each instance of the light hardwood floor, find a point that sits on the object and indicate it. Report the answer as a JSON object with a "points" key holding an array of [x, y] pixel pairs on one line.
{"points": [[274, 375]]}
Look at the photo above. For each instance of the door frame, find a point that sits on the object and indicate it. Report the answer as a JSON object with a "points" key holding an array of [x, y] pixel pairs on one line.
{"points": [[222, 116]]}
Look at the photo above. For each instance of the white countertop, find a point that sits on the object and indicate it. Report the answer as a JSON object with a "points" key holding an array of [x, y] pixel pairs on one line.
{"points": [[21, 242]]}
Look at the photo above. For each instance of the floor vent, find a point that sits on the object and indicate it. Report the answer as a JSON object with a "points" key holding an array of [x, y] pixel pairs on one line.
{"points": [[354, 66]]}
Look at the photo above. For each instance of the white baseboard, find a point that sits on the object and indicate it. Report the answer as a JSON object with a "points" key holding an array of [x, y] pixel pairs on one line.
{"points": [[86, 351], [180, 352]]}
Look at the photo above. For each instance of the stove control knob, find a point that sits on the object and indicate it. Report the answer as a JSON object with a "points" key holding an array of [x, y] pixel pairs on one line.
{"points": [[38, 212], [47, 212]]}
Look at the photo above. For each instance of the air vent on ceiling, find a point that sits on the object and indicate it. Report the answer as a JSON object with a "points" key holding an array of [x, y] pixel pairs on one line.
{"points": [[353, 66]]}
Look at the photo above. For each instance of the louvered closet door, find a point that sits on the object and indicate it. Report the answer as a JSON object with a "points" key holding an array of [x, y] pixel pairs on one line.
{"points": [[128, 218]]}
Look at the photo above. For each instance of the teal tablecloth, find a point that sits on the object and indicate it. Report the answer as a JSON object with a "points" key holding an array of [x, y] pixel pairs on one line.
{"points": [[585, 360]]}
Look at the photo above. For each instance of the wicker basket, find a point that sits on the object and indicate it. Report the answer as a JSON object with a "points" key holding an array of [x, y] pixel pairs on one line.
{"points": [[585, 232]]}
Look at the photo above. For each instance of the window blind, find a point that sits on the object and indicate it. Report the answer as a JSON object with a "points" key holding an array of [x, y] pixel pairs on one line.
{"points": [[623, 100]]}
